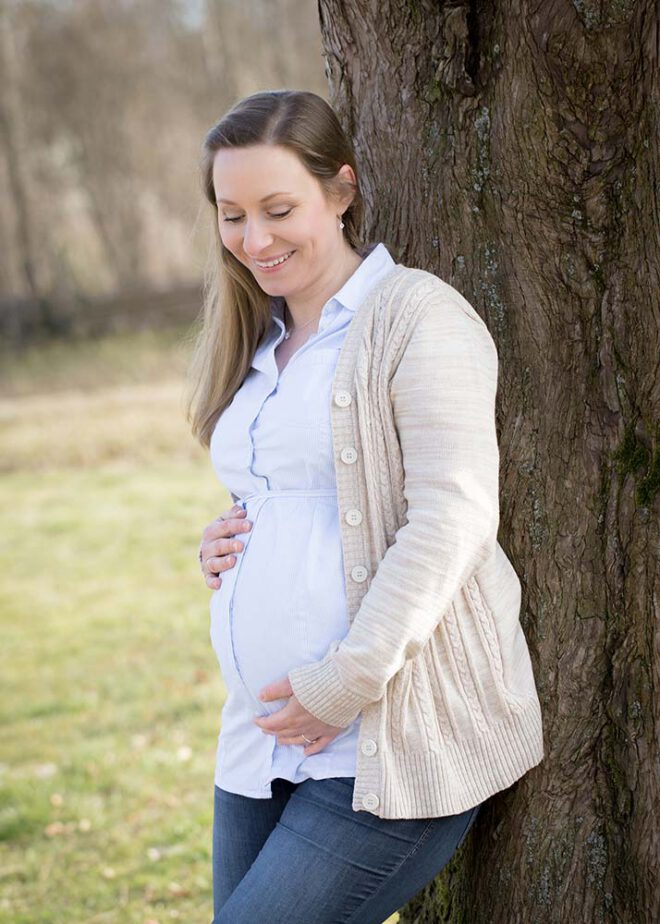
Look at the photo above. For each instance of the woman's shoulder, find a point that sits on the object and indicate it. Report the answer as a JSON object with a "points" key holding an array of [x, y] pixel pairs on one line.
{"points": [[421, 289]]}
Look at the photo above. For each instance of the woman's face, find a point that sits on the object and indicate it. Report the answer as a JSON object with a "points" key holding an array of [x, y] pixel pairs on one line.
{"points": [[270, 206]]}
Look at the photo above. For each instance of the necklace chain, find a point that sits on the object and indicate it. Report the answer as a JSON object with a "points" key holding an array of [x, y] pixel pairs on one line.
{"points": [[296, 329]]}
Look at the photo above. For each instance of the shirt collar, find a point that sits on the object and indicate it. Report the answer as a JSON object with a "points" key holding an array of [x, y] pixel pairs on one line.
{"points": [[376, 259]]}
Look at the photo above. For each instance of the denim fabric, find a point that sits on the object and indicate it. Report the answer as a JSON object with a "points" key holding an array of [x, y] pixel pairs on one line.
{"points": [[306, 857]]}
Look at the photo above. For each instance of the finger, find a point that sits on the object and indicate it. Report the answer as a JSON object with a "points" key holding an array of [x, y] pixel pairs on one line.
{"points": [[226, 530], [229, 522], [222, 547], [219, 563], [216, 559], [300, 742], [287, 739], [286, 729], [290, 733], [317, 746], [226, 526], [231, 511], [290, 738]]}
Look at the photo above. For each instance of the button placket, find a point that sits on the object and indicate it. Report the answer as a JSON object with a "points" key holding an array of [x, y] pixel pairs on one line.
{"points": [[353, 516], [349, 455], [359, 574], [342, 398]]}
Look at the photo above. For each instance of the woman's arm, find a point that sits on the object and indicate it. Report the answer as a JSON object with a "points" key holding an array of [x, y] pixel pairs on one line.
{"points": [[443, 396]]}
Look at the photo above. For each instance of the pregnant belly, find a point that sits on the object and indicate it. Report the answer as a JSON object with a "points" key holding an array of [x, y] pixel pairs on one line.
{"points": [[284, 601]]}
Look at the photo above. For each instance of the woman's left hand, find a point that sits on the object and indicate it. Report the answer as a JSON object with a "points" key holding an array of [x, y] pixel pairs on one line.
{"points": [[292, 721]]}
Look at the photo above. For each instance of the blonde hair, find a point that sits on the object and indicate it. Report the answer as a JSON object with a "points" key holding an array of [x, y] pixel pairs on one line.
{"points": [[236, 312]]}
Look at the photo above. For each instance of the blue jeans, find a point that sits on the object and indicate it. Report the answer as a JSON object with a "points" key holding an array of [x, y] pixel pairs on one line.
{"points": [[306, 857]]}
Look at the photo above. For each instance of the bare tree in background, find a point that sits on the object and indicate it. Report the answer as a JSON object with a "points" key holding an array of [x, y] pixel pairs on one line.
{"points": [[513, 149], [15, 179], [103, 108]]}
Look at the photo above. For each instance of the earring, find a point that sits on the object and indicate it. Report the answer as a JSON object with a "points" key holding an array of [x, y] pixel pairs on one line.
{"points": [[341, 223]]}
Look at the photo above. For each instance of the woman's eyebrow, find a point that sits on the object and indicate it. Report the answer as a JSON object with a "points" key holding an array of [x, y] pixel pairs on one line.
{"points": [[265, 198]]}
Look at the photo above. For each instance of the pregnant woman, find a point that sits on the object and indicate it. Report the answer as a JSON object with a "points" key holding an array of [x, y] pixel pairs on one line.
{"points": [[365, 618]]}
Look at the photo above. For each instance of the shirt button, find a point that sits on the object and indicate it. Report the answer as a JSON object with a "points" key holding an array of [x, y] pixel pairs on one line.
{"points": [[342, 398], [369, 747], [371, 801], [359, 573], [348, 454], [353, 517]]}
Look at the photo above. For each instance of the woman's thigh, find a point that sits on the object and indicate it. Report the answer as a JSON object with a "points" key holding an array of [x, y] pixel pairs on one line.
{"points": [[241, 826], [325, 863]]}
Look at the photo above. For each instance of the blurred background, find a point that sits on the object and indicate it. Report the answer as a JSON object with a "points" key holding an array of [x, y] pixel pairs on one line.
{"points": [[111, 695]]}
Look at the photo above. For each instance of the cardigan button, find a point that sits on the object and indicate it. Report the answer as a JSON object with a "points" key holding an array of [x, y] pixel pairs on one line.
{"points": [[343, 398], [349, 454], [369, 747], [359, 574], [371, 801], [353, 516]]}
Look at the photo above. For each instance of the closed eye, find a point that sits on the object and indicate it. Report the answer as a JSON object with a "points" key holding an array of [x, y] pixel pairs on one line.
{"points": [[273, 215]]}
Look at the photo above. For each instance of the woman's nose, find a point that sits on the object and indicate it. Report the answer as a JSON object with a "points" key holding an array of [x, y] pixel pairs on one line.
{"points": [[256, 238]]}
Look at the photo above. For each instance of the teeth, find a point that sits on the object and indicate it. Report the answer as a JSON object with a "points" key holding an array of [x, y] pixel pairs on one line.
{"points": [[275, 262]]}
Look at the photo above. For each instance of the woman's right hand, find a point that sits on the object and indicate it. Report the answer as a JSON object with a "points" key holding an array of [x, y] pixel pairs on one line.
{"points": [[220, 543]]}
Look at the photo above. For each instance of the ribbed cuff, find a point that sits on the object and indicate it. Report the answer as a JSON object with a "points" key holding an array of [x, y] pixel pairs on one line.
{"points": [[319, 689]]}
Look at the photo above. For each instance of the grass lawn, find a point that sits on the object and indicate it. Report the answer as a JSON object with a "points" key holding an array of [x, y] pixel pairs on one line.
{"points": [[111, 695]]}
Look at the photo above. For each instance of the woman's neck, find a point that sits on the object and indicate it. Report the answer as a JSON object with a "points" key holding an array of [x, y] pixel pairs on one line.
{"points": [[308, 307]]}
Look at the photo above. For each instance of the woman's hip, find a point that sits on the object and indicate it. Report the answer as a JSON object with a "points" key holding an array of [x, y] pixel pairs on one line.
{"points": [[310, 856]]}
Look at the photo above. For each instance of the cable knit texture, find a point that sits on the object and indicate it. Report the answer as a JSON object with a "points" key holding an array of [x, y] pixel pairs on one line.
{"points": [[435, 659]]}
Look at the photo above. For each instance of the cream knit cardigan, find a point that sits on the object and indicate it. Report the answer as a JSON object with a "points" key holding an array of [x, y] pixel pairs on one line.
{"points": [[435, 659]]}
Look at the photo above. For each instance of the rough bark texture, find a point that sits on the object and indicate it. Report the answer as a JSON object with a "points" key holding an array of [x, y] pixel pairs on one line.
{"points": [[513, 150]]}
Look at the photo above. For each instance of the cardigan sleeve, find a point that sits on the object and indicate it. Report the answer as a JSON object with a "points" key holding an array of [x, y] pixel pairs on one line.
{"points": [[443, 400]]}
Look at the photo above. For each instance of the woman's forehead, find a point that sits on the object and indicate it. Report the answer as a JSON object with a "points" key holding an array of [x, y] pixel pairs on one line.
{"points": [[270, 168]]}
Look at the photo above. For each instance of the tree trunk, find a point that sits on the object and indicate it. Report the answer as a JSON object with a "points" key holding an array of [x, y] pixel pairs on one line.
{"points": [[14, 150], [512, 149]]}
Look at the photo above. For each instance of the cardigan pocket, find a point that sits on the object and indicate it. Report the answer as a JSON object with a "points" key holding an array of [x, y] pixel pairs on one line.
{"points": [[495, 632], [424, 732], [399, 697], [414, 726]]}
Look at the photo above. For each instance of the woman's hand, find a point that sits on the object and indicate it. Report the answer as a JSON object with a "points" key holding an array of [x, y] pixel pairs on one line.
{"points": [[219, 542], [293, 720]]}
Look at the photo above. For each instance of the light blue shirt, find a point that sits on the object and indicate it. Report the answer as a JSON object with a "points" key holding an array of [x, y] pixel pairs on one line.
{"points": [[284, 600]]}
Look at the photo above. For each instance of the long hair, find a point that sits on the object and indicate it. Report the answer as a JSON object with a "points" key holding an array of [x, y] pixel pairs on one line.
{"points": [[236, 312]]}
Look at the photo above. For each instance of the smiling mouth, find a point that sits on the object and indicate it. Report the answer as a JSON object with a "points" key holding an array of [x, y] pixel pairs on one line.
{"points": [[277, 261]]}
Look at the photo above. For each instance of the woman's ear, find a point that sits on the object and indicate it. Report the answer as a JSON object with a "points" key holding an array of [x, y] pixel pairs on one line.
{"points": [[347, 185]]}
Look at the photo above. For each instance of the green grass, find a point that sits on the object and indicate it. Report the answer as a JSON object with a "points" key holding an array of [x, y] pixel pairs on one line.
{"points": [[111, 694]]}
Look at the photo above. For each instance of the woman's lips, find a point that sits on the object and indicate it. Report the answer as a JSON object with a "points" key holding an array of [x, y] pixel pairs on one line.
{"points": [[272, 269]]}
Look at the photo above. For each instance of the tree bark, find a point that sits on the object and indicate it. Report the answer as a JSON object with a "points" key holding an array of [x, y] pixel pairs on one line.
{"points": [[14, 150], [512, 149]]}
